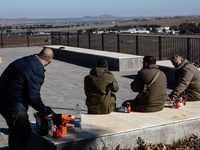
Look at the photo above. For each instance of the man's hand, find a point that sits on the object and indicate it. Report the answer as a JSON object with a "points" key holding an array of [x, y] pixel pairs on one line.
{"points": [[48, 111], [112, 86], [171, 98]]}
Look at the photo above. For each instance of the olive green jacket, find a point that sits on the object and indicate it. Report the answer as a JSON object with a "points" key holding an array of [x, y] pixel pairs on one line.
{"points": [[188, 81], [98, 87], [155, 96]]}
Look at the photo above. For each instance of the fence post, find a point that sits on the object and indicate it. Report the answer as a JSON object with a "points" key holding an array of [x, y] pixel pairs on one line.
{"points": [[89, 41], [160, 48], [118, 43], [1, 40], [59, 38], [67, 38], [102, 41], [137, 50], [51, 38], [77, 39], [27, 34], [188, 49]]}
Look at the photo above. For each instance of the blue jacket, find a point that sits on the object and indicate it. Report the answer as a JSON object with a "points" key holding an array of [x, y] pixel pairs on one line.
{"points": [[20, 85]]}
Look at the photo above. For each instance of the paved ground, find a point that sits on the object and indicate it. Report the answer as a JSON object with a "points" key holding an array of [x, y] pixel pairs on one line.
{"points": [[63, 86]]}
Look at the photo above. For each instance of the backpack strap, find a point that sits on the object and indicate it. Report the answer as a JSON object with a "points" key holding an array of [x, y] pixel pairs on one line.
{"points": [[154, 78]]}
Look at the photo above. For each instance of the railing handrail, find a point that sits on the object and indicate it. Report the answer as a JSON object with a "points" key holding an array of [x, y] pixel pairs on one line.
{"points": [[159, 45]]}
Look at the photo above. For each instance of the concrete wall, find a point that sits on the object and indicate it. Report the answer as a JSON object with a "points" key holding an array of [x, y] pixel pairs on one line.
{"points": [[164, 133], [89, 58], [170, 74]]}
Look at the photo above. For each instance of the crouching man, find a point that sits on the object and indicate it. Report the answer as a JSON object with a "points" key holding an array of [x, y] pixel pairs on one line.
{"points": [[188, 79]]}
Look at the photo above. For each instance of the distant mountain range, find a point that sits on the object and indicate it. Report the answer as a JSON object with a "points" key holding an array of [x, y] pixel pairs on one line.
{"points": [[38, 20], [102, 17], [62, 20]]}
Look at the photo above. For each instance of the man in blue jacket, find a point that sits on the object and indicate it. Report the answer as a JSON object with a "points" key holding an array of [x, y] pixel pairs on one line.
{"points": [[20, 86]]}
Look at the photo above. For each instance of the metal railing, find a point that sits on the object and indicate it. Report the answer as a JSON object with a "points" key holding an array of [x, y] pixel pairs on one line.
{"points": [[23, 39], [163, 48]]}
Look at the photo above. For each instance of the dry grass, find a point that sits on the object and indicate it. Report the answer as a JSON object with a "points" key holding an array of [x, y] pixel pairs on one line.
{"points": [[188, 143]]}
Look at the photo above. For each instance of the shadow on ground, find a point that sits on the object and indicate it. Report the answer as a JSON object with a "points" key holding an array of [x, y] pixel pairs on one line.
{"points": [[130, 76], [66, 108], [4, 148]]}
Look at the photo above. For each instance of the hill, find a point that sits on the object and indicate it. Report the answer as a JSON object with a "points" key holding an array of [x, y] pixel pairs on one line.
{"points": [[146, 20], [114, 21]]}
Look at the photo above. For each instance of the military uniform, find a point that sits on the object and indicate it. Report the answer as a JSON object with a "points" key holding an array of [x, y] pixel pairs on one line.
{"points": [[99, 87], [155, 96], [188, 82]]}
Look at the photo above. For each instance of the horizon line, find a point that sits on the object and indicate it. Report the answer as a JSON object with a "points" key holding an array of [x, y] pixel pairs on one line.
{"points": [[98, 17]]}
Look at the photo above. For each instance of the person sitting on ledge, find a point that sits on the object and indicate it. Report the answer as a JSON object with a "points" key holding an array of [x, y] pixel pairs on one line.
{"points": [[151, 84], [188, 79], [99, 87]]}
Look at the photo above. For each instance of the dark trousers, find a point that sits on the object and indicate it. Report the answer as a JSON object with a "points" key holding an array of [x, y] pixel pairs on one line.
{"points": [[19, 129], [133, 103]]}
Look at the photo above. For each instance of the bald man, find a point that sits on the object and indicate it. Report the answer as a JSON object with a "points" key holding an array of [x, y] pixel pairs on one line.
{"points": [[20, 85]]}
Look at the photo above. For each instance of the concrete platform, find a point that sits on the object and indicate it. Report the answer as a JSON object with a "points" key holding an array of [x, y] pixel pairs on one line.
{"points": [[63, 89], [88, 57], [124, 129]]}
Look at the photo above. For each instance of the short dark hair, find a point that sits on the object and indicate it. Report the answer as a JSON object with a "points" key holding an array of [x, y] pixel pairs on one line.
{"points": [[102, 63], [176, 57], [149, 60]]}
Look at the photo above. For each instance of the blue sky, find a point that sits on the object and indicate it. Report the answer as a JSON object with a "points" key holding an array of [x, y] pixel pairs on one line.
{"points": [[80, 8]]}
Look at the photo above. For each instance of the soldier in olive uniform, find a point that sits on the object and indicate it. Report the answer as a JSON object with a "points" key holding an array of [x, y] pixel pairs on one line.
{"points": [[188, 79], [153, 99], [99, 87]]}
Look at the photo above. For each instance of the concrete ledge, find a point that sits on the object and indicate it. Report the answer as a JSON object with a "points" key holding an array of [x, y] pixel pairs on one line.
{"points": [[124, 129], [117, 61], [89, 58]]}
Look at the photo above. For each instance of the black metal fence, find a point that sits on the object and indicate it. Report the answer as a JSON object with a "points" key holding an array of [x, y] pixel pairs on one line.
{"points": [[24, 39], [163, 48]]}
